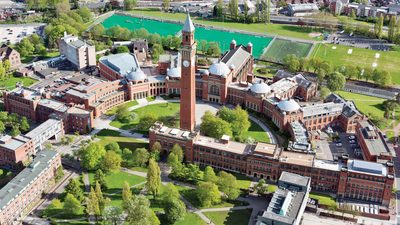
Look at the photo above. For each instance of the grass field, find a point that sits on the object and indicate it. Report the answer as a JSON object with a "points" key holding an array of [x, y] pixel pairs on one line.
{"points": [[160, 110], [256, 132], [108, 136], [364, 58], [261, 28], [233, 217], [10, 83], [368, 105], [191, 219], [113, 110], [280, 48], [323, 199]]}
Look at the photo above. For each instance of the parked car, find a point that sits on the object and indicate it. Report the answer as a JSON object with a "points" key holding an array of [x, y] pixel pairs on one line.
{"points": [[352, 141], [339, 144], [352, 137]]}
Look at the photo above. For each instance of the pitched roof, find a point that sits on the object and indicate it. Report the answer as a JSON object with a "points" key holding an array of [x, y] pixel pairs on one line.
{"points": [[188, 25]]}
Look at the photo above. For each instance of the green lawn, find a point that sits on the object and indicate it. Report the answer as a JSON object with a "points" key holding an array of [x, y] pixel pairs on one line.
{"points": [[364, 58], [261, 28], [151, 98], [107, 136], [10, 83], [191, 219], [112, 111], [233, 217], [323, 199], [280, 48], [256, 132], [160, 110], [368, 105], [242, 180]]}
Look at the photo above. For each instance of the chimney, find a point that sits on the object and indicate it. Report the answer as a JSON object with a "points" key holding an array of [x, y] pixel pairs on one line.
{"points": [[249, 48], [233, 44]]}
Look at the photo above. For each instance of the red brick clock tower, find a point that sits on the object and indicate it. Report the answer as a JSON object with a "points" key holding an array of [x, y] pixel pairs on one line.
{"points": [[188, 88]]}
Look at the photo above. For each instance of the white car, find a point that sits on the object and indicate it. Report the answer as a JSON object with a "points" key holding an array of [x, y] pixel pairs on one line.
{"points": [[339, 145], [352, 141], [352, 137]]}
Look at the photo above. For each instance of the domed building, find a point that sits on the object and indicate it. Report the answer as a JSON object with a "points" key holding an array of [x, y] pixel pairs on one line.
{"points": [[219, 69], [260, 89], [136, 76], [288, 106]]}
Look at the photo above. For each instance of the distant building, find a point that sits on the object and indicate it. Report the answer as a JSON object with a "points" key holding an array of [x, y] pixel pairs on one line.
{"points": [[15, 151], [140, 48], [302, 9], [78, 52], [10, 54], [27, 187], [288, 202]]}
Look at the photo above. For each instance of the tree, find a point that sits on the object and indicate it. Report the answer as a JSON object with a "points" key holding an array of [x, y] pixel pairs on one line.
{"points": [[353, 14], [324, 92], [72, 206], [257, 12], [209, 175], [112, 215], [91, 155], [392, 29], [291, 62], [130, 4], [123, 114], [147, 121], [74, 188], [155, 150], [350, 71], [25, 47], [7, 65], [177, 150], [24, 124], [233, 8], [203, 45], [92, 204], [85, 14], [157, 51], [208, 194], [122, 49], [382, 78], [138, 212], [213, 126], [141, 156], [174, 210], [192, 173], [113, 146], [15, 131], [165, 5], [220, 8], [303, 61], [99, 194], [213, 49], [227, 183], [153, 178], [368, 74], [335, 81], [261, 187], [62, 7], [379, 26], [126, 194], [238, 119], [268, 12], [170, 192], [97, 30], [100, 178], [111, 161]]}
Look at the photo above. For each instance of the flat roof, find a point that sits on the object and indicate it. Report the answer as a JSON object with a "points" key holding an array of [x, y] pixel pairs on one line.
{"points": [[231, 146], [25, 178], [373, 140], [297, 158], [53, 104], [368, 167], [265, 149], [12, 143], [42, 128], [295, 179], [122, 63]]}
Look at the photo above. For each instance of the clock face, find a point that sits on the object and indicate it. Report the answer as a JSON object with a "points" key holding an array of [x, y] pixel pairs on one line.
{"points": [[186, 63]]}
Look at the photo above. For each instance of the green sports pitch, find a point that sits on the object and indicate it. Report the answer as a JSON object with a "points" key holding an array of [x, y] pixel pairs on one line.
{"points": [[280, 48], [340, 55]]}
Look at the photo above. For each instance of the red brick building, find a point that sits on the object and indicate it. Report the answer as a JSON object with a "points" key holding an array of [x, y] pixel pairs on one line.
{"points": [[15, 151]]}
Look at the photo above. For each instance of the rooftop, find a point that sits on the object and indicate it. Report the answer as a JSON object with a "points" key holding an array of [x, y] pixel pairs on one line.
{"points": [[53, 104], [12, 143], [122, 63], [294, 179], [42, 128], [265, 149], [328, 108], [231, 146], [373, 139], [297, 158], [17, 185], [367, 167]]}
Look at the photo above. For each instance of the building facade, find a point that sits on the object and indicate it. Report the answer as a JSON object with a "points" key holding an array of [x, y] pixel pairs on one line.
{"points": [[10, 54], [78, 52]]}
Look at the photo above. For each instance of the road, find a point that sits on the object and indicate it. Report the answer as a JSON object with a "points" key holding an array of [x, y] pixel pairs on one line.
{"points": [[397, 183]]}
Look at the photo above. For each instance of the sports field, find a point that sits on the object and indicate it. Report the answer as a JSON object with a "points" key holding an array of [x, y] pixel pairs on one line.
{"points": [[346, 55], [280, 48], [223, 38]]}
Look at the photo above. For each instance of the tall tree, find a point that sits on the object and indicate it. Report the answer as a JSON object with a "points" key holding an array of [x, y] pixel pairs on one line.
{"points": [[111, 162], [208, 194], [138, 212], [100, 197], [153, 178], [92, 204], [214, 126], [268, 12], [238, 118], [233, 9], [257, 13], [220, 8], [91, 155], [174, 210], [112, 215], [74, 188], [140, 156], [335, 81], [100, 178], [392, 29], [379, 26], [130, 4], [72, 206], [177, 150], [113, 146], [170, 192], [165, 5], [292, 62], [209, 175], [24, 124], [155, 150], [25, 47], [126, 194], [227, 183]]}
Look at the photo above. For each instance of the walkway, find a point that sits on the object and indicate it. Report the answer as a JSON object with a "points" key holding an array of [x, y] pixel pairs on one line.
{"points": [[103, 122]]}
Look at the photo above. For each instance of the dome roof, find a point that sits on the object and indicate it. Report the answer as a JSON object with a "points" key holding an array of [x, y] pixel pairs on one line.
{"points": [[206, 72], [260, 88], [136, 75], [219, 69], [288, 105], [174, 72]]}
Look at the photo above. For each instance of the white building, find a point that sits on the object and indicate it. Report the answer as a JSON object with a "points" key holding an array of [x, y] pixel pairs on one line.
{"points": [[78, 52]]}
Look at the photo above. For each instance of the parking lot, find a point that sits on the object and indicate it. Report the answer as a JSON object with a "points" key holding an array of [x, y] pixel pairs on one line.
{"points": [[11, 34], [330, 147], [359, 41]]}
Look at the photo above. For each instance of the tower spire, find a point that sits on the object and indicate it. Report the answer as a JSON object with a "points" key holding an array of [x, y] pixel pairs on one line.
{"points": [[188, 25]]}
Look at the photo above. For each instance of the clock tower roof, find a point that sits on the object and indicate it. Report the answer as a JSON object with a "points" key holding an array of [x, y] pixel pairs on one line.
{"points": [[188, 25]]}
